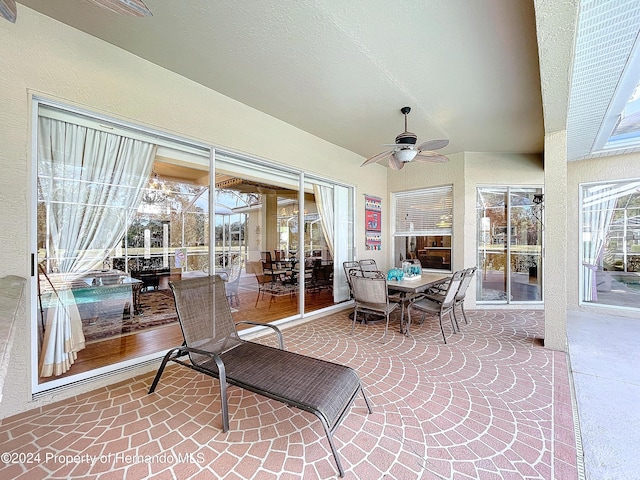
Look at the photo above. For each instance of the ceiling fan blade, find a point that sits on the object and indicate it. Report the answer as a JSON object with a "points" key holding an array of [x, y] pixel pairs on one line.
{"points": [[433, 144], [398, 145], [8, 10], [432, 157], [137, 8], [394, 163], [376, 158]]}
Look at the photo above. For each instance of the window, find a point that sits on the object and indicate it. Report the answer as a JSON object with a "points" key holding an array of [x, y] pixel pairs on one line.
{"points": [[422, 227], [611, 244]]}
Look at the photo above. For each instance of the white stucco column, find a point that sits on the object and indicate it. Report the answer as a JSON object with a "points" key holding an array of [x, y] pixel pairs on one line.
{"points": [[555, 239]]}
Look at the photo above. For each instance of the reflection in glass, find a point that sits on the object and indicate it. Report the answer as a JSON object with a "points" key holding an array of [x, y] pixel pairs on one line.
{"points": [[509, 228], [109, 224], [287, 242], [611, 244]]}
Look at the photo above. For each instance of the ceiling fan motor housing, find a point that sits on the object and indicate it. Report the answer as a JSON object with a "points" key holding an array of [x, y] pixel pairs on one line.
{"points": [[407, 138]]}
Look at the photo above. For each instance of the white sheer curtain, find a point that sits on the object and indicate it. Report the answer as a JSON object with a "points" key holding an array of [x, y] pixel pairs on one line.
{"points": [[597, 207], [324, 202], [90, 182]]}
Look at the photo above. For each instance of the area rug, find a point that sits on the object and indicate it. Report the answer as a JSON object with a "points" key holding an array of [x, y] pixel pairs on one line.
{"points": [[157, 308]]}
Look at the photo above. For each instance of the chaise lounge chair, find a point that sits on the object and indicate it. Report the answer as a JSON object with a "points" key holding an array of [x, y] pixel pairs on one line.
{"points": [[214, 348]]}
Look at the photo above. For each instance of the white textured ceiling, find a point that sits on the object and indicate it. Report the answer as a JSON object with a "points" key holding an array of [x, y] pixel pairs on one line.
{"points": [[342, 69]]}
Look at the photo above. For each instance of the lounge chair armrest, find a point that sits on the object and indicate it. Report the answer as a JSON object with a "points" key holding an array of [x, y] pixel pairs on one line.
{"points": [[273, 327], [181, 351], [184, 349]]}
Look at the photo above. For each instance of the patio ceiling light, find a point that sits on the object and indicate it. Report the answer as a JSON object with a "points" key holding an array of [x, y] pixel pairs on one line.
{"points": [[405, 155]]}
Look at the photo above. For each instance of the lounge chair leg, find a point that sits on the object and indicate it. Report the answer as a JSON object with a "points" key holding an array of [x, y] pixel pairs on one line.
{"points": [[333, 449], [224, 405], [161, 369], [366, 400]]}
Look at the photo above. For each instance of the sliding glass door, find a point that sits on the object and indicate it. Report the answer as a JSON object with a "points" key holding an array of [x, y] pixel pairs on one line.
{"points": [[328, 242], [509, 232], [296, 231], [122, 212]]}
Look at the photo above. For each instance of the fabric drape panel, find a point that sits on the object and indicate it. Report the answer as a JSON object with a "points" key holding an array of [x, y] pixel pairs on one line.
{"points": [[91, 183], [324, 202], [597, 216]]}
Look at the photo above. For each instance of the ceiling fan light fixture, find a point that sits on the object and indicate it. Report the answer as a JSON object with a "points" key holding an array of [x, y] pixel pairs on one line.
{"points": [[405, 150], [406, 154]]}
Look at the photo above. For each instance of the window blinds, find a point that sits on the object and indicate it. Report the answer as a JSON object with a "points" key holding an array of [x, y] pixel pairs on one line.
{"points": [[424, 212]]}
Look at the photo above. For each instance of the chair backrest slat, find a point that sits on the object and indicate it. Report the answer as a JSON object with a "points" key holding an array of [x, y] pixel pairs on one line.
{"points": [[371, 290], [368, 265], [452, 290], [204, 315], [464, 284], [348, 266]]}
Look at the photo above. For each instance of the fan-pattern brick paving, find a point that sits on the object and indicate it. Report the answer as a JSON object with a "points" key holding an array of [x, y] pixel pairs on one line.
{"points": [[491, 404]]}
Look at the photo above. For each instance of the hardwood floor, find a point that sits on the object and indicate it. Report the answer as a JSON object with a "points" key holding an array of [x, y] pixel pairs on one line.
{"points": [[157, 339]]}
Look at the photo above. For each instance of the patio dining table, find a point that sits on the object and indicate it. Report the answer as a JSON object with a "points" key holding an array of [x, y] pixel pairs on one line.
{"points": [[410, 286]]}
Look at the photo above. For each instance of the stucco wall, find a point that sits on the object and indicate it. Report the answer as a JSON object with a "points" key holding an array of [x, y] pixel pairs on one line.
{"points": [[617, 167], [41, 56], [555, 240], [466, 172]]}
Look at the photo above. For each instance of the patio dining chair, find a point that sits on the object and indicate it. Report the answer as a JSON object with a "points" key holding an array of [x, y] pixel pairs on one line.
{"points": [[438, 295], [347, 266], [266, 285], [462, 291], [368, 265], [441, 308], [371, 295], [369, 268], [214, 348]]}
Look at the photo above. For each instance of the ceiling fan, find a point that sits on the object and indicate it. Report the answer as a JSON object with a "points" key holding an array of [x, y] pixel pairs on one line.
{"points": [[404, 150], [125, 7]]}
